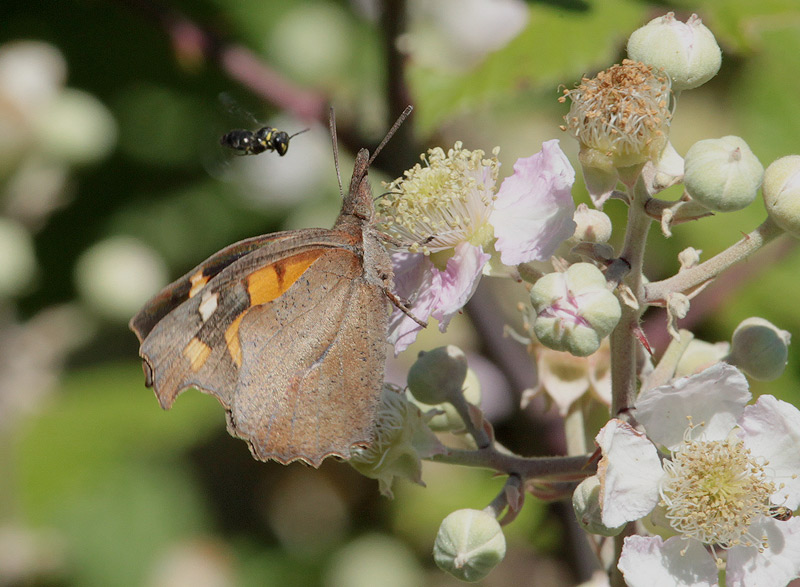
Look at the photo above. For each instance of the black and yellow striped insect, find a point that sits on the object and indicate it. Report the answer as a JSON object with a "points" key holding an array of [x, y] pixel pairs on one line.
{"points": [[267, 138]]}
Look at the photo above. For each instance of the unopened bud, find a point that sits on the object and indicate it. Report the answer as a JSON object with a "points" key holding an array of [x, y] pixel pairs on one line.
{"points": [[722, 174], [574, 310], [470, 543], [446, 417], [591, 225], [588, 511], [438, 375], [760, 349], [781, 191], [687, 52]]}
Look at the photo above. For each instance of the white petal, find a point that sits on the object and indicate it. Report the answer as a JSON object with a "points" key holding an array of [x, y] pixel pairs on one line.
{"points": [[776, 566], [771, 429], [650, 562], [629, 473], [714, 398]]}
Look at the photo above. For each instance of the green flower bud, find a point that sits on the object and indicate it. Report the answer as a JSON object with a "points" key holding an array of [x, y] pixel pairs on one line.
{"points": [[438, 375], [575, 310], [781, 191], [591, 225], [760, 349], [470, 543], [722, 174], [586, 503], [688, 51], [447, 418]]}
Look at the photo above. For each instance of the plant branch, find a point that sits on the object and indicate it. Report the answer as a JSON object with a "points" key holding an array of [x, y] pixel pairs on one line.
{"points": [[576, 467], [691, 278], [623, 341]]}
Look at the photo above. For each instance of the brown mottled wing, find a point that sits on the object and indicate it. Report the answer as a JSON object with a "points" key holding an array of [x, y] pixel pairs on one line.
{"points": [[189, 339], [313, 365]]}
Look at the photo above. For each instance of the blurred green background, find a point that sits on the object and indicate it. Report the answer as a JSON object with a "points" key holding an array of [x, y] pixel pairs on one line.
{"points": [[112, 183]]}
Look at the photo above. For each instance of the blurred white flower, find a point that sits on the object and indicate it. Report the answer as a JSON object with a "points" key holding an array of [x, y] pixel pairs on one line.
{"points": [[118, 275], [17, 258]]}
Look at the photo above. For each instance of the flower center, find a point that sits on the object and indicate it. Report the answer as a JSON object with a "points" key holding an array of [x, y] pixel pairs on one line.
{"points": [[713, 491], [442, 203], [623, 113]]}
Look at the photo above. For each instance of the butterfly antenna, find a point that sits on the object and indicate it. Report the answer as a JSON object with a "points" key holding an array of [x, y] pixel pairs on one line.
{"points": [[390, 134], [335, 151]]}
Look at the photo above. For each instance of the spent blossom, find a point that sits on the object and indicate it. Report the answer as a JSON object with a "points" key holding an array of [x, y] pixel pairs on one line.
{"points": [[732, 468], [452, 219], [621, 119]]}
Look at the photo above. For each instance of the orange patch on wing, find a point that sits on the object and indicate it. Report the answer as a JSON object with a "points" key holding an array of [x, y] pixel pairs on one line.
{"points": [[270, 282], [232, 339], [265, 285], [197, 352], [198, 281]]}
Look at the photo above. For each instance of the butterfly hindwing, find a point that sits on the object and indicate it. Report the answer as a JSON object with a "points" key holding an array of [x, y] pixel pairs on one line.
{"points": [[308, 385]]}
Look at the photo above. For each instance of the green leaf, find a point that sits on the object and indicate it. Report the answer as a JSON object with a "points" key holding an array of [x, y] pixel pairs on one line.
{"points": [[99, 420], [557, 46]]}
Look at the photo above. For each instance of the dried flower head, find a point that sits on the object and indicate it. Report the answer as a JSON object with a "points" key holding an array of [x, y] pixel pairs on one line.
{"points": [[620, 117]]}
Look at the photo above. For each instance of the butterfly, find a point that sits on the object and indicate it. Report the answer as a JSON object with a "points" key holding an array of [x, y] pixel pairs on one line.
{"points": [[287, 330]]}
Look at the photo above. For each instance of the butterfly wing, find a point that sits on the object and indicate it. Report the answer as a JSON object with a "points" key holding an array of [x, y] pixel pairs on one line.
{"points": [[267, 326], [310, 387]]}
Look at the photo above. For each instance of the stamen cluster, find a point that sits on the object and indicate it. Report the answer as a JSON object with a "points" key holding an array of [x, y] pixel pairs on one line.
{"points": [[443, 202], [713, 491]]}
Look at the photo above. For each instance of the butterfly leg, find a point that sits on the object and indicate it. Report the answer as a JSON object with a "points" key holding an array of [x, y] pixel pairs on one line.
{"points": [[403, 307]]}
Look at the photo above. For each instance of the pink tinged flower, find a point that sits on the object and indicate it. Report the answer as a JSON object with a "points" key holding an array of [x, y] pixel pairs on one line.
{"points": [[431, 292], [650, 561], [533, 212], [442, 213], [629, 472]]}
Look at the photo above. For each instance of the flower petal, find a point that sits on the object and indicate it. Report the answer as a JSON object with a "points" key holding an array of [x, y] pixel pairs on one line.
{"points": [[651, 562], [776, 566], [771, 429], [458, 281], [415, 280], [533, 211], [629, 473], [714, 398]]}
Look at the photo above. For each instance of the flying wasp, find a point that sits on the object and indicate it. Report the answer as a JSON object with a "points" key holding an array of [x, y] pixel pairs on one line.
{"points": [[267, 138], [248, 142]]}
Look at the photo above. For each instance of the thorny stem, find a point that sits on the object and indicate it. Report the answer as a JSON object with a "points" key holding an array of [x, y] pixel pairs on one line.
{"points": [[686, 280], [623, 341], [500, 502]]}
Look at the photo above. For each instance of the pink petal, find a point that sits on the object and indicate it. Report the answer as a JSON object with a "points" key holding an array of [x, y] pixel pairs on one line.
{"points": [[458, 281], [533, 211], [414, 277], [440, 294]]}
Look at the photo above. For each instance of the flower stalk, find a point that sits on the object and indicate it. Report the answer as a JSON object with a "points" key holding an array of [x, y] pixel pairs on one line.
{"points": [[623, 341]]}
